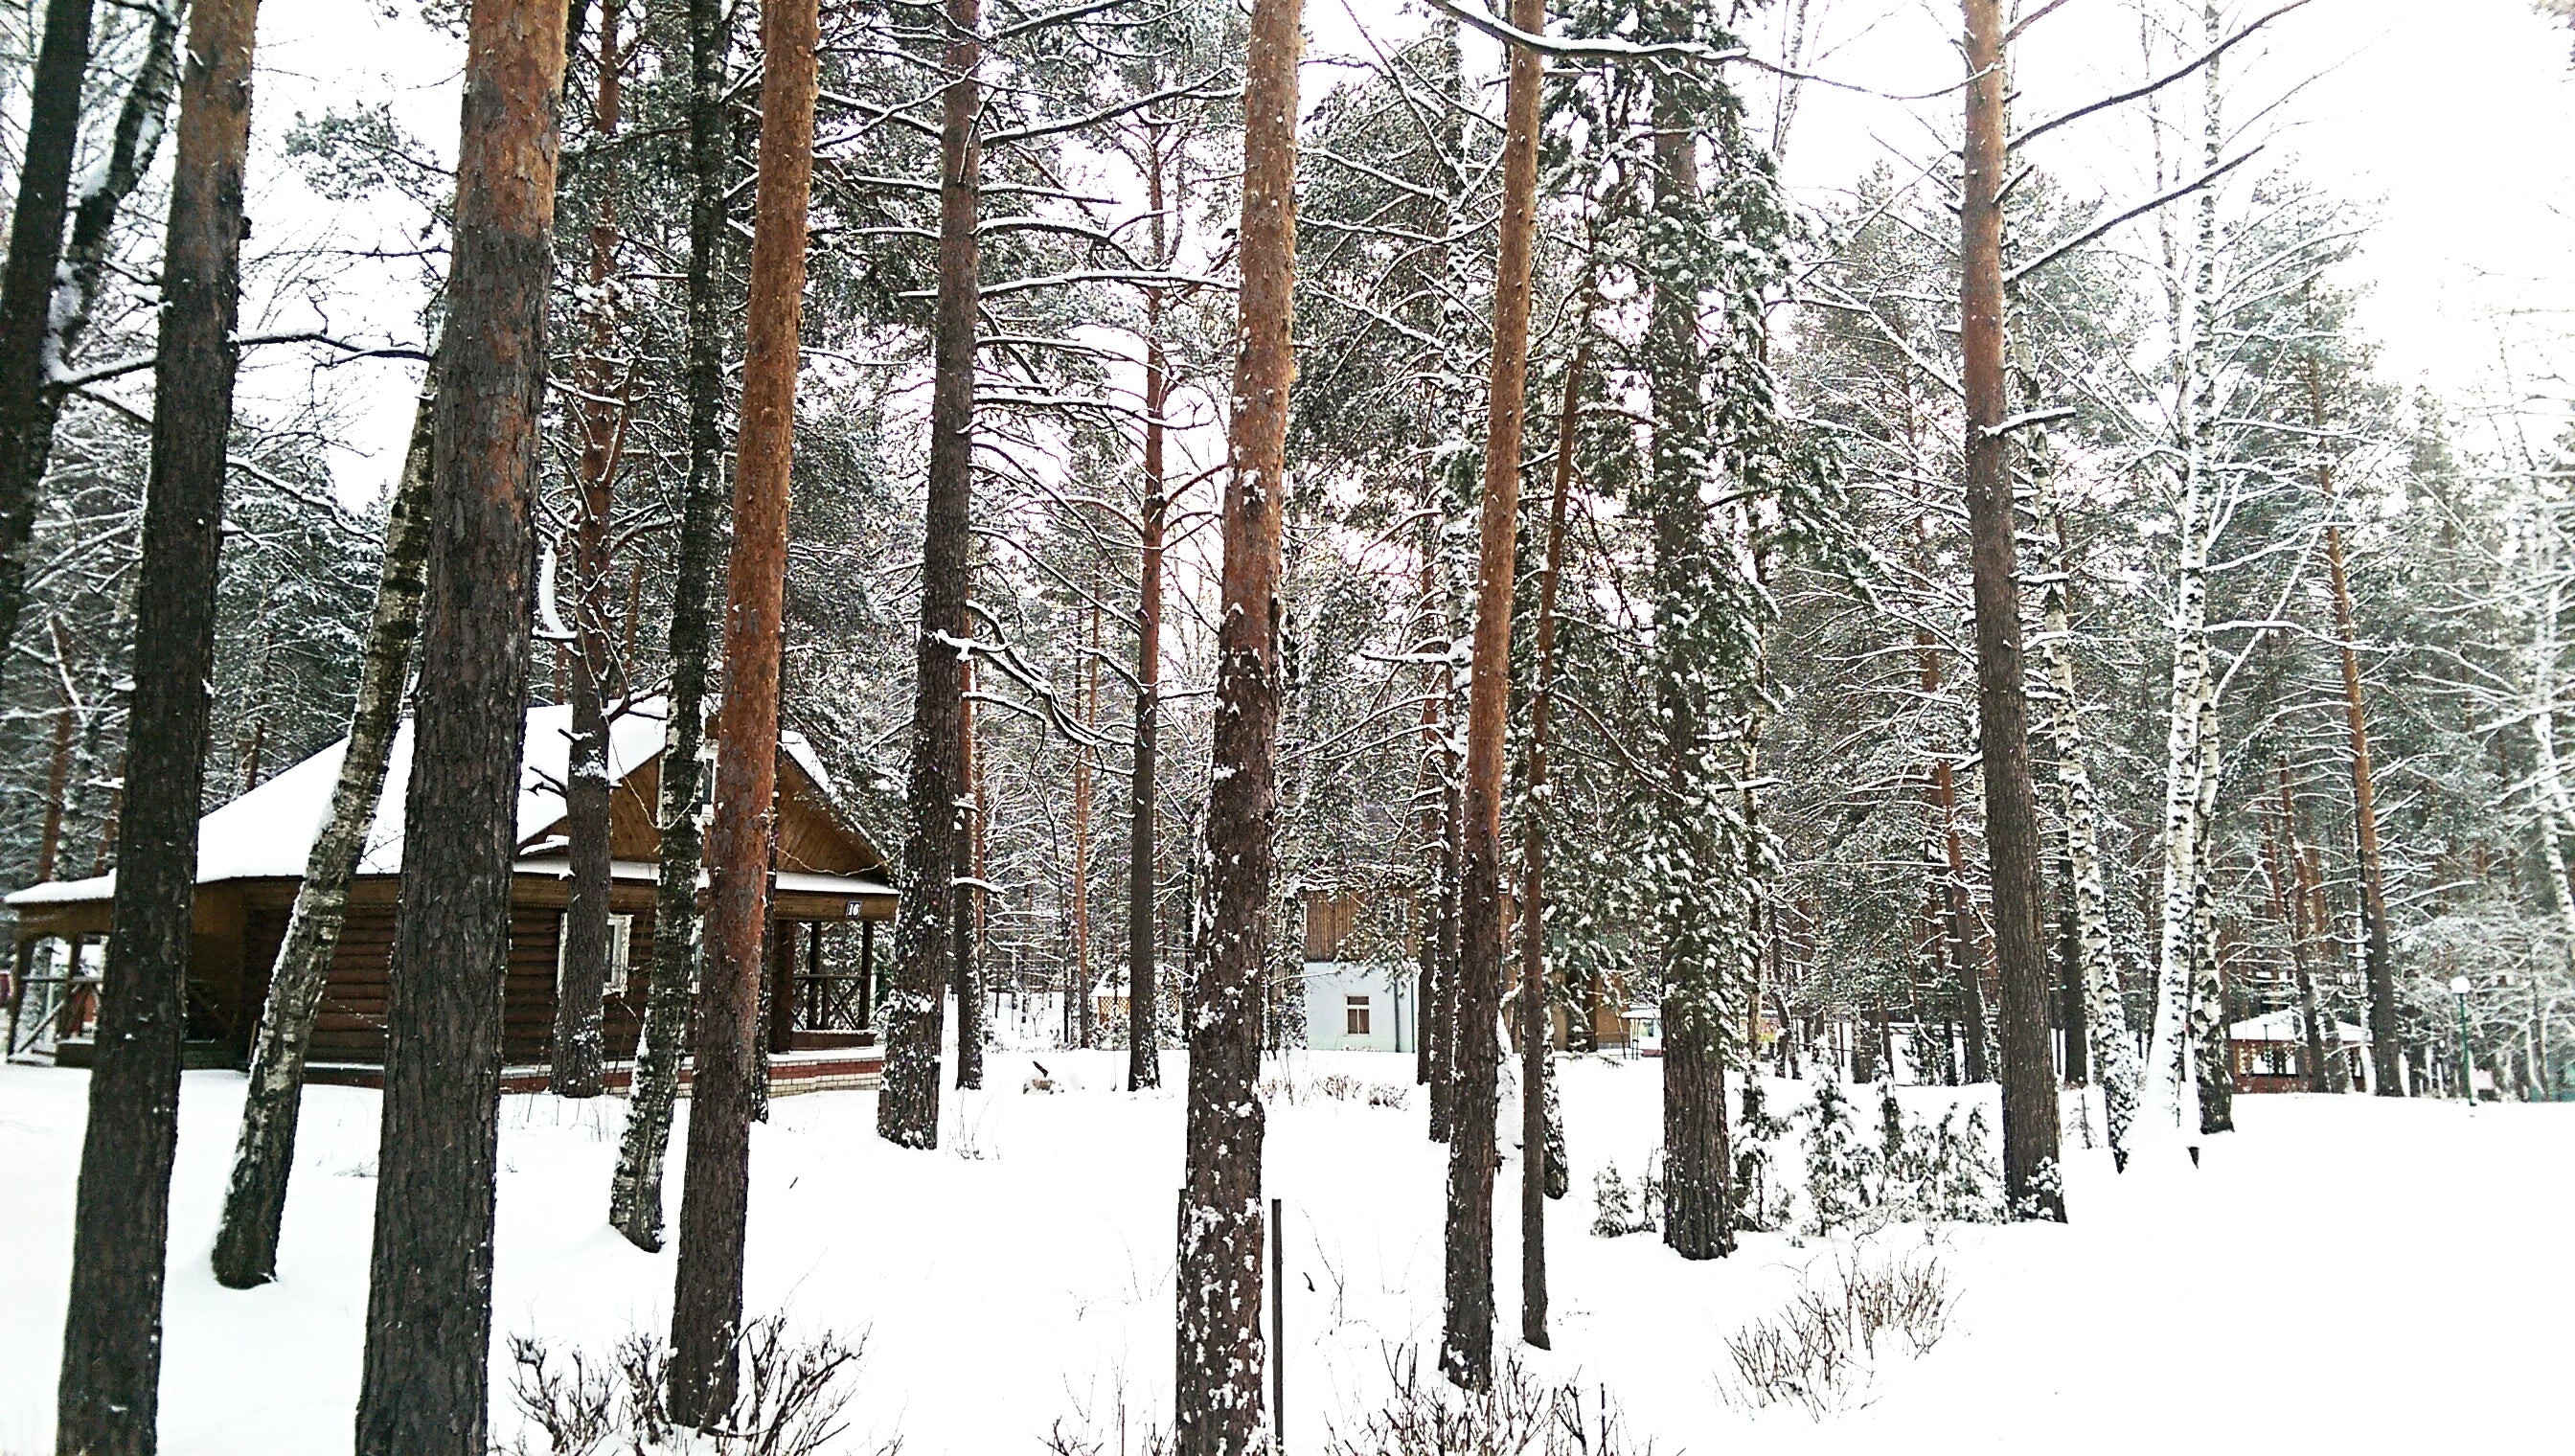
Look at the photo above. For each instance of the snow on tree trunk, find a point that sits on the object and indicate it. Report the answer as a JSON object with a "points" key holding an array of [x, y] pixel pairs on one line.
{"points": [[1218, 1349], [29, 352], [2211, 1051], [111, 1355], [635, 1191], [2549, 793], [1144, 1032], [1542, 1125], [706, 1314], [425, 1378], [1467, 1341], [908, 1110], [2002, 708], [255, 1197], [2113, 1057], [579, 1052]]}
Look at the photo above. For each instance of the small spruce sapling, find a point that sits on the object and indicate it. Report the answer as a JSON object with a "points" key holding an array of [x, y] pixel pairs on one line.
{"points": [[1761, 1203], [1837, 1162], [1615, 1208]]}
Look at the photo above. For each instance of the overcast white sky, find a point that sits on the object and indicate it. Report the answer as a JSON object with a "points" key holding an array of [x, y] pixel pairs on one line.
{"points": [[2452, 117]]}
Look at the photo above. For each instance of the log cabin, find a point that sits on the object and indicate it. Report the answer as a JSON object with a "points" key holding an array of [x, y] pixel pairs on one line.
{"points": [[829, 892]]}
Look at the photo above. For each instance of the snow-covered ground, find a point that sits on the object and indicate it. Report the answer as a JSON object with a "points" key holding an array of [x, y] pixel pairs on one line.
{"points": [[2344, 1274]]}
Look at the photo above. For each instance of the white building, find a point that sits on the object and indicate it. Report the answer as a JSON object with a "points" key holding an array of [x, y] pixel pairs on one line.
{"points": [[1359, 1006]]}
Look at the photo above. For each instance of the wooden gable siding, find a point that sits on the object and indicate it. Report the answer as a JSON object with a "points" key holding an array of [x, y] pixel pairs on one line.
{"points": [[810, 835]]}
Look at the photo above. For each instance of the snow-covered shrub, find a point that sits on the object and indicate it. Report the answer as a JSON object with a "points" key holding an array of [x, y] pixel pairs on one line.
{"points": [[1939, 1174], [1333, 1087], [1822, 1351], [1959, 1181], [1516, 1416], [788, 1400], [1614, 1211], [1761, 1198], [1840, 1168]]}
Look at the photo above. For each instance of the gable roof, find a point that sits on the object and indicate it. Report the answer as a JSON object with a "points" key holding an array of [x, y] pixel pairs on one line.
{"points": [[267, 833]]}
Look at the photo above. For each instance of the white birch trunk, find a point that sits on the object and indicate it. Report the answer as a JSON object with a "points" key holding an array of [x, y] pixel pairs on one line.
{"points": [[2113, 1057]]}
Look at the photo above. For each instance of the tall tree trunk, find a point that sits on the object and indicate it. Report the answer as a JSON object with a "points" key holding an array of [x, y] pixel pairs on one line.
{"points": [[2548, 793], [1089, 676], [255, 1198], [2169, 1082], [111, 1372], [2211, 1049], [635, 1192], [580, 1000], [2113, 1061], [1537, 1147], [908, 1111], [2289, 901], [28, 352], [1218, 1352], [1144, 1037], [2012, 813], [2378, 957], [27, 428], [1690, 809], [970, 986], [1467, 1342], [1427, 1069], [706, 1312], [424, 1386]]}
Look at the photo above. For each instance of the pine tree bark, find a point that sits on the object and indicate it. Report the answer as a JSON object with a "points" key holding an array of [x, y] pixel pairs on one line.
{"points": [[1143, 1034], [968, 987], [2289, 903], [110, 1388], [2012, 813], [706, 1312], [908, 1110], [634, 1193], [424, 1386], [27, 353], [2378, 958], [579, 1064], [1080, 891], [264, 1153], [1538, 1151], [1467, 1342], [1219, 1351]]}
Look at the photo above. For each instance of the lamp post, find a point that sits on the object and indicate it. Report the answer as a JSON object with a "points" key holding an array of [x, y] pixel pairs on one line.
{"points": [[2467, 1068]]}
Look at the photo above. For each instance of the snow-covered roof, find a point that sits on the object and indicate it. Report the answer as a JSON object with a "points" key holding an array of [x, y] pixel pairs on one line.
{"points": [[268, 832], [2283, 1026]]}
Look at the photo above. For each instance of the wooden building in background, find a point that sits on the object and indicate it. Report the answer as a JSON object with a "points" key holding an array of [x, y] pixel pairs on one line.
{"points": [[830, 892]]}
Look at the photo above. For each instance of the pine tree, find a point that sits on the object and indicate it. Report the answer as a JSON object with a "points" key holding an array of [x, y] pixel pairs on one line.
{"points": [[109, 1399], [428, 1350], [1218, 1354], [706, 1312]]}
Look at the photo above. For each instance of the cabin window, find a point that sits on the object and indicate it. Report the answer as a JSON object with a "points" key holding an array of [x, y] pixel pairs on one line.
{"points": [[1355, 1016], [620, 972]]}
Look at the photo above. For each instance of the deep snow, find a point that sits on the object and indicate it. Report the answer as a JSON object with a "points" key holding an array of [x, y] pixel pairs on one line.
{"points": [[2349, 1274]]}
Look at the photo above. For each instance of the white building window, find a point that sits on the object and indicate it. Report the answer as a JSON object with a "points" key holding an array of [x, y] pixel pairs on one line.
{"points": [[620, 936], [1355, 1016]]}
